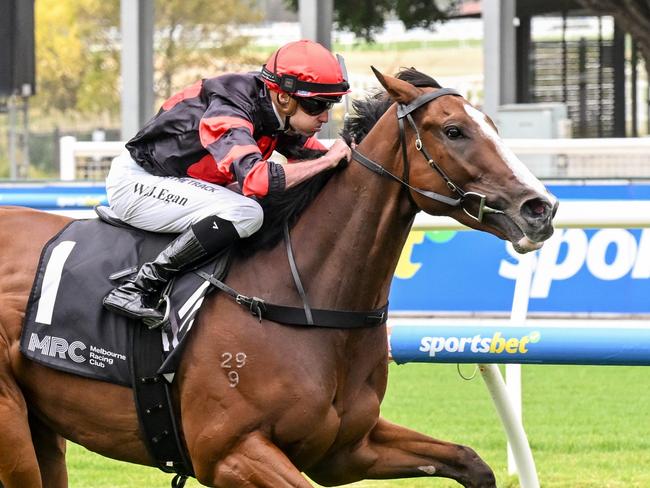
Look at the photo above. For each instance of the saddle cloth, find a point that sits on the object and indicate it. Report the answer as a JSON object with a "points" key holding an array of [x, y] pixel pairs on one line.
{"points": [[66, 326]]}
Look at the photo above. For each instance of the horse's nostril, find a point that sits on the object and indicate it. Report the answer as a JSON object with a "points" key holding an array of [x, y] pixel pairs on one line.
{"points": [[536, 208]]}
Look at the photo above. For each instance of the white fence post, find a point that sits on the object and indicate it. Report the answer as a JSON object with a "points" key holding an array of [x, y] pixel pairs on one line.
{"points": [[512, 425], [518, 317], [507, 397], [67, 161]]}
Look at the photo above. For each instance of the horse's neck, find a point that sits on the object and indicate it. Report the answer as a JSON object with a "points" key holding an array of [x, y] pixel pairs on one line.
{"points": [[349, 240]]}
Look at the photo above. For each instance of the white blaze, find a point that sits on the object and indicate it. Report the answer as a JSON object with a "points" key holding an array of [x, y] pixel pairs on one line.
{"points": [[519, 169]]}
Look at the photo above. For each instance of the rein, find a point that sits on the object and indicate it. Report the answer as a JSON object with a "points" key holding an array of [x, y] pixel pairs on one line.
{"points": [[404, 112]]}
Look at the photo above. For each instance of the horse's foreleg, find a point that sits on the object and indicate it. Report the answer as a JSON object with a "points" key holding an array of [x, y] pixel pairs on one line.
{"points": [[391, 451], [18, 464], [253, 463], [50, 452]]}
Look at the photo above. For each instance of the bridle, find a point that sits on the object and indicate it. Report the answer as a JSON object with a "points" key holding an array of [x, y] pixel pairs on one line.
{"points": [[404, 112]]}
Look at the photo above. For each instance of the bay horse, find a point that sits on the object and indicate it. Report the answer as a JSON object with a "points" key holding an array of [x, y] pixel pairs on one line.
{"points": [[306, 399]]}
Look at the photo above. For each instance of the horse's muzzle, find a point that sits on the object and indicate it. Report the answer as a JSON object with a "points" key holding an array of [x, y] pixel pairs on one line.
{"points": [[537, 216]]}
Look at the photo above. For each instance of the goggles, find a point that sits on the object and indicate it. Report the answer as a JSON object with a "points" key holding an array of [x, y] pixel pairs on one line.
{"points": [[315, 105]]}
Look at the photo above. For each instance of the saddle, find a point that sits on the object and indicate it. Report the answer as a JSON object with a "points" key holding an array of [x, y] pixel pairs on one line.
{"points": [[66, 326]]}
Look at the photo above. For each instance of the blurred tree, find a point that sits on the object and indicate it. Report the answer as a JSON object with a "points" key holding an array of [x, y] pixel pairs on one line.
{"points": [[365, 18], [76, 54], [632, 15], [78, 49], [199, 37]]}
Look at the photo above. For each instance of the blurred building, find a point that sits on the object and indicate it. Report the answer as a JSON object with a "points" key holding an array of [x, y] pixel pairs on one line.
{"points": [[563, 53]]}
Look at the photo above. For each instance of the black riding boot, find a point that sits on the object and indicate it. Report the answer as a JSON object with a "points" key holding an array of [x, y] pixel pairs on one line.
{"points": [[140, 298]]}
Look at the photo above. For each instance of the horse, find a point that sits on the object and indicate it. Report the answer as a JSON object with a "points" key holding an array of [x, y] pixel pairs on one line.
{"points": [[307, 399]]}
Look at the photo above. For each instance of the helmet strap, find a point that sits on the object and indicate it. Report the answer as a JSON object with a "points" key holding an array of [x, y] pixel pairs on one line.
{"points": [[287, 124]]}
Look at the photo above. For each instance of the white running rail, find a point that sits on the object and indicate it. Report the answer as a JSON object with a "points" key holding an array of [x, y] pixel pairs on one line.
{"points": [[548, 158]]}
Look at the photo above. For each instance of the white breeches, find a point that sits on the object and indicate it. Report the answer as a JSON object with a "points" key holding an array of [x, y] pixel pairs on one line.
{"points": [[172, 204]]}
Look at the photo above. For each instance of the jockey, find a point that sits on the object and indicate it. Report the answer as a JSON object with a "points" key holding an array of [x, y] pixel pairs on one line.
{"points": [[198, 167]]}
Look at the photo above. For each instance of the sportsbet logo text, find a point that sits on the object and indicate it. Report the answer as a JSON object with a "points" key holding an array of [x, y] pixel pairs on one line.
{"points": [[496, 344]]}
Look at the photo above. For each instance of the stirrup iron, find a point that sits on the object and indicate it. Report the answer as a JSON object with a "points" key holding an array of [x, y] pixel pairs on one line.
{"points": [[152, 323]]}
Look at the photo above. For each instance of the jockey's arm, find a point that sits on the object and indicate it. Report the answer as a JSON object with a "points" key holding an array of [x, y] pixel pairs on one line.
{"points": [[296, 173]]}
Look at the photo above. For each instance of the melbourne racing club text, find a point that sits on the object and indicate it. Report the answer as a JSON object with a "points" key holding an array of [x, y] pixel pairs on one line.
{"points": [[76, 351]]}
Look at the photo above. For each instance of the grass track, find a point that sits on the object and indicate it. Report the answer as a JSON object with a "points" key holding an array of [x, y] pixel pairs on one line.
{"points": [[589, 426]]}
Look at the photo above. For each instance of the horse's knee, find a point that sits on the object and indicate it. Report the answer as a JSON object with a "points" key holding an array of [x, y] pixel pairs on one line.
{"points": [[234, 470], [228, 472], [255, 462]]}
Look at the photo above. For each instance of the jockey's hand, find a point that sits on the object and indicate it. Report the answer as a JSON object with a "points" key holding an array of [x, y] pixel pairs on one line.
{"points": [[339, 151]]}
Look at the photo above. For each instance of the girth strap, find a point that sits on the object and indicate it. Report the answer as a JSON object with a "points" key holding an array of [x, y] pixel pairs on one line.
{"points": [[333, 319], [158, 421]]}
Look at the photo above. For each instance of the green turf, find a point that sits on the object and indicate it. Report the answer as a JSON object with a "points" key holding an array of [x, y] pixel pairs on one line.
{"points": [[588, 427]]}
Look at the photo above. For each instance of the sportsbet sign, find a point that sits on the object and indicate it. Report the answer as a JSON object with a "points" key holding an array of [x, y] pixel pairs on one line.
{"points": [[499, 343], [577, 270]]}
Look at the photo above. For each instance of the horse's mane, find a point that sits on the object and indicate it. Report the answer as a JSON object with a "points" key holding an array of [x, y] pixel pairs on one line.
{"points": [[369, 110], [285, 207], [288, 205]]}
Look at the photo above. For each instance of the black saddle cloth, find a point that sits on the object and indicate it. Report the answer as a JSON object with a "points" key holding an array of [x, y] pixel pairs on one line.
{"points": [[66, 326]]}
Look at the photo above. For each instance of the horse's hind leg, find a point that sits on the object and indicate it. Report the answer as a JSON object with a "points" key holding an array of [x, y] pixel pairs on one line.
{"points": [[391, 452], [18, 463], [50, 452]]}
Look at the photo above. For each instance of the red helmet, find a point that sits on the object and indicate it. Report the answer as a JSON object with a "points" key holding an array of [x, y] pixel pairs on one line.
{"points": [[305, 69]]}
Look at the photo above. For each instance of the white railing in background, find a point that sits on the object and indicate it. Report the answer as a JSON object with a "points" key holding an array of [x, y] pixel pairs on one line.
{"points": [[547, 158], [580, 147], [70, 150], [585, 158], [572, 214]]}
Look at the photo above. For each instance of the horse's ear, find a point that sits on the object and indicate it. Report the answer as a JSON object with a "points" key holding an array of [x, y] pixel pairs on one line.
{"points": [[401, 91]]}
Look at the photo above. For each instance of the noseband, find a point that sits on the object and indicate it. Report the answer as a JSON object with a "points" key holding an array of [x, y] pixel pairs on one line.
{"points": [[404, 112]]}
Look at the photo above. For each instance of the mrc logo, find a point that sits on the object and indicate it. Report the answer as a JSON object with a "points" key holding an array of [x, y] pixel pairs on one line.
{"points": [[57, 346]]}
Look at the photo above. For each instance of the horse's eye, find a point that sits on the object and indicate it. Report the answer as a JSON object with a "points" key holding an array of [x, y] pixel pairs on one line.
{"points": [[453, 132]]}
